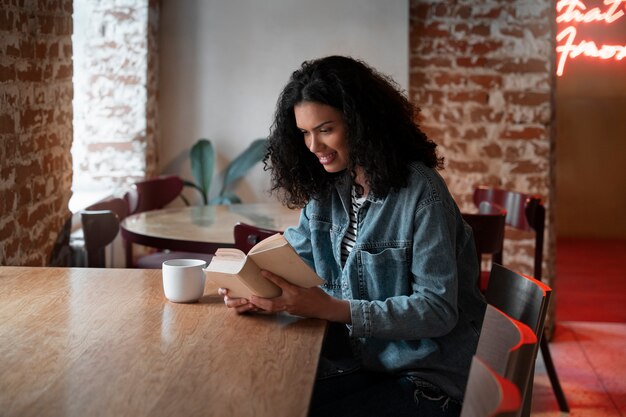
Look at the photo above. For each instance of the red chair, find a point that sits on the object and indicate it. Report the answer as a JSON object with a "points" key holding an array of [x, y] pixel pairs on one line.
{"points": [[488, 228], [527, 212], [246, 235], [155, 194]]}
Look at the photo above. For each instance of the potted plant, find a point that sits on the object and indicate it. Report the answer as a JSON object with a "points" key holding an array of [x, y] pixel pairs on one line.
{"points": [[202, 157]]}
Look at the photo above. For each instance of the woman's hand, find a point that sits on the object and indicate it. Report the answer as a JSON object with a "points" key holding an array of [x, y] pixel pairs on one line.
{"points": [[241, 305], [303, 302]]}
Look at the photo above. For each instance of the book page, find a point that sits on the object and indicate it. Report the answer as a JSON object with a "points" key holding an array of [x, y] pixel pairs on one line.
{"points": [[269, 243], [226, 264], [240, 276], [281, 259]]}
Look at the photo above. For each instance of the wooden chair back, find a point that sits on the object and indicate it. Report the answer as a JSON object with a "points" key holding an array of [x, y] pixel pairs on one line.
{"points": [[153, 194], [488, 228], [489, 394], [524, 212], [247, 235], [146, 195], [508, 346], [525, 299], [101, 224], [527, 212], [521, 297]]}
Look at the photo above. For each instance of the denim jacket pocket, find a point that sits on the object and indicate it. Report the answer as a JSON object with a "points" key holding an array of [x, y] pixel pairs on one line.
{"points": [[380, 262]]}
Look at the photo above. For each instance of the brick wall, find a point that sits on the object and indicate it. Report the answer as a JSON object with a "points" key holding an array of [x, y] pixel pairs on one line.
{"points": [[35, 128], [482, 72], [116, 84]]}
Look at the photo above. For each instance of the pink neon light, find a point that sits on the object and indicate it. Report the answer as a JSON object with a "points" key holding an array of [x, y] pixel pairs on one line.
{"points": [[570, 11]]}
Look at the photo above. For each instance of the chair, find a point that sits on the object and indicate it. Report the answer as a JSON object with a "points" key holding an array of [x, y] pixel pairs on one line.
{"points": [[246, 235], [489, 394], [508, 346], [524, 299], [527, 212], [100, 224], [155, 194], [488, 228]]}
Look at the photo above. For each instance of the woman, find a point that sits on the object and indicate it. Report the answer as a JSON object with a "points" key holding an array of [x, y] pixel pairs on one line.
{"points": [[380, 226]]}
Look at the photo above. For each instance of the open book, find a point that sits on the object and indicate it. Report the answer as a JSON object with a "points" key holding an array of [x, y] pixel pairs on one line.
{"points": [[231, 268]]}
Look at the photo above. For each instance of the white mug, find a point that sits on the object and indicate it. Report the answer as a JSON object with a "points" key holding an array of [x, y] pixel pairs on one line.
{"points": [[183, 280]]}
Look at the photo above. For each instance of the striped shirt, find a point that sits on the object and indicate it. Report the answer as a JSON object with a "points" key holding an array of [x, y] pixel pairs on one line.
{"points": [[349, 238]]}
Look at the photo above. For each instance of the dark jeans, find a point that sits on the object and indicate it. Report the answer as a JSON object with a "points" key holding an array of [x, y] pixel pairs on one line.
{"points": [[370, 394]]}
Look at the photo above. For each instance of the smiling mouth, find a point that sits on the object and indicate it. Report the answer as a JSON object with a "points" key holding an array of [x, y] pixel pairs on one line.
{"points": [[327, 158]]}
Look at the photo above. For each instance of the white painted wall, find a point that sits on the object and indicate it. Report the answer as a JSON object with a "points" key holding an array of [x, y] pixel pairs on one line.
{"points": [[223, 64]]}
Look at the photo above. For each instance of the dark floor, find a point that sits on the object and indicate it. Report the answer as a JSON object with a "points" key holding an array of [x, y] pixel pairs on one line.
{"points": [[589, 342]]}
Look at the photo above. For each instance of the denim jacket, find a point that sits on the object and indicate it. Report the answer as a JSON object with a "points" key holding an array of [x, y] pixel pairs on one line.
{"points": [[410, 279]]}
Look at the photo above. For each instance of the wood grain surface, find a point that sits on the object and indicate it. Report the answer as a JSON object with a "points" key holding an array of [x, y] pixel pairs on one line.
{"points": [[104, 342]]}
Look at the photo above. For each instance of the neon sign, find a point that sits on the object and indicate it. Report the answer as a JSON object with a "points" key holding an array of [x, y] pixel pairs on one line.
{"points": [[574, 12]]}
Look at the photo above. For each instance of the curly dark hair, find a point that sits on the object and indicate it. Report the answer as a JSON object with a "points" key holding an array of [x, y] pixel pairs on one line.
{"points": [[381, 132]]}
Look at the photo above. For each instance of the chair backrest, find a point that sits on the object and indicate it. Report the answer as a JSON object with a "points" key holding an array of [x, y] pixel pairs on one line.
{"points": [[101, 224], [488, 228], [524, 212], [508, 346], [521, 297], [117, 205], [153, 194], [488, 394], [525, 299], [246, 235]]}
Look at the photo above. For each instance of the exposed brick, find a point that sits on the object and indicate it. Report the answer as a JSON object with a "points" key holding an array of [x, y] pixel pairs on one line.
{"points": [[514, 32], [504, 124], [493, 151], [6, 231], [474, 61], [486, 81], [29, 118], [12, 51], [467, 166], [474, 133], [450, 79], [430, 62], [7, 18], [491, 13], [485, 114], [527, 98], [469, 96], [30, 73], [30, 130], [428, 97], [485, 47], [526, 167], [524, 66], [27, 48], [45, 24], [524, 133], [7, 124], [53, 50], [64, 71]]}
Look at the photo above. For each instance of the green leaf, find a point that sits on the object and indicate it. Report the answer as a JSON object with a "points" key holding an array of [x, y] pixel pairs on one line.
{"points": [[188, 183], [244, 162], [202, 164]]}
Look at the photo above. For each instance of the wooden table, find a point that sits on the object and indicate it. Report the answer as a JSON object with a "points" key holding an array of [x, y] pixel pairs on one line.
{"points": [[106, 342], [203, 228]]}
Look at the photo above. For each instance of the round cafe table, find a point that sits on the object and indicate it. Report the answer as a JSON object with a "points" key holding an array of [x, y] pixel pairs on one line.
{"points": [[203, 228]]}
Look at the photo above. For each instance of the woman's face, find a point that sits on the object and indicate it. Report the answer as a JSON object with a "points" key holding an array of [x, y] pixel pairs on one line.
{"points": [[324, 134]]}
